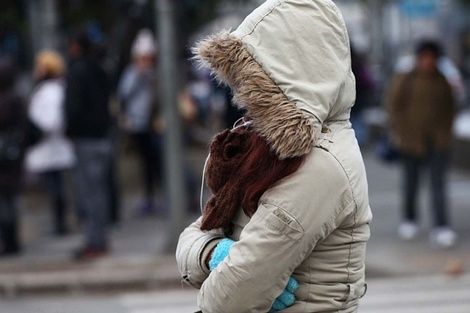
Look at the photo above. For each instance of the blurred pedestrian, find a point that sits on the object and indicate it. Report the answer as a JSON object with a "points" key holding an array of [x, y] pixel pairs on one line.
{"points": [[88, 124], [364, 89], [12, 143], [137, 95], [288, 222], [53, 154], [422, 108], [406, 63]]}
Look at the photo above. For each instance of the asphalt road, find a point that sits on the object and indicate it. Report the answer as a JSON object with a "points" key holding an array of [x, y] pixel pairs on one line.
{"points": [[431, 294]]}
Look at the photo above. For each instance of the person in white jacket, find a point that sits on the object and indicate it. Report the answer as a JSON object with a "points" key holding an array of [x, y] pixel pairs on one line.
{"points": [[53, 154], [137, 94]]}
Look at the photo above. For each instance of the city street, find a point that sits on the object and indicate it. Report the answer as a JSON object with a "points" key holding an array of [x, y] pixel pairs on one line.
{"points": [[434, 294], [405, 277], [404, 295], [92, 224]]}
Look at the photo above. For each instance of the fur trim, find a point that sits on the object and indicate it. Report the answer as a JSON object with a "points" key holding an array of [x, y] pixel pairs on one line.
{"points": [[278, 120]]}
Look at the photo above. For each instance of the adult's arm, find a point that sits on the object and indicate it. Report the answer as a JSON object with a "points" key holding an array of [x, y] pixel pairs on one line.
{"points": [[394, 101], [194, 248], [127, 83], [75, 98]]}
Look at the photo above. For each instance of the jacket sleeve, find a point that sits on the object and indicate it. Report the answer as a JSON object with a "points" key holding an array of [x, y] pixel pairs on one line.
{"points": [[449, 108], [258, 267], [194, 246], [75, 98], [392, 102], [127, 84]]}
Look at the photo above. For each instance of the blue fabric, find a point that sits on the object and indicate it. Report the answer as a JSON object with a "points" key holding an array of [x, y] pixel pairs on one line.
{"points": [[220, 252], [285, 299]]}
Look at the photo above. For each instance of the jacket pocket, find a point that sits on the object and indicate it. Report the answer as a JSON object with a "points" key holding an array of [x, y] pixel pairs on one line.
{"points": [[353, 292], [280, 220]]}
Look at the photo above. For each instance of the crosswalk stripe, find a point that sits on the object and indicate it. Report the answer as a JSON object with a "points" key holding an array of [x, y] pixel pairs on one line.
{"points": [[422, 296], [160, 302], [449, 308], [436, 294], [418, 295]]}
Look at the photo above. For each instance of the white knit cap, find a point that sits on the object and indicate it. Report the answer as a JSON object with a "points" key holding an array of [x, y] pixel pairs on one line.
{"points": [[144, 44]]}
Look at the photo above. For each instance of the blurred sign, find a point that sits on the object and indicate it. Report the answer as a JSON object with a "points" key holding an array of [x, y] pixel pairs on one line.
{"points": [[419, 8]]}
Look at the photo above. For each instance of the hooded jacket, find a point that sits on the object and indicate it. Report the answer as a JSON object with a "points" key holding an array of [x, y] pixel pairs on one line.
{"points": [[289, 66]]}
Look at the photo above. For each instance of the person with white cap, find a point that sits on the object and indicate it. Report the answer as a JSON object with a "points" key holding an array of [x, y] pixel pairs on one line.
{"points": [[288, 222], [137, 95]]}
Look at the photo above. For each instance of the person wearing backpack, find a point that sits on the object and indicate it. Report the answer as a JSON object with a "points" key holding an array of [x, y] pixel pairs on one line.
{"points": [[12, 142]]}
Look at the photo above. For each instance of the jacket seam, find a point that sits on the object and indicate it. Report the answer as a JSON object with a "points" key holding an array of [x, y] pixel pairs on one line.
{"points": [[262, 19], [354, 221], [350, 253]]}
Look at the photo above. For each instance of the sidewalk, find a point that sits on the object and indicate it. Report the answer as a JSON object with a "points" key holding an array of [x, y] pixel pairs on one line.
{"points": [[138, 260]]}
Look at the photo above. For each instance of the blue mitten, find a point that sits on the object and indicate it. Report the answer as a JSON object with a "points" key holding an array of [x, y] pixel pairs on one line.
{"points": [[220, 252], [286, 298]]}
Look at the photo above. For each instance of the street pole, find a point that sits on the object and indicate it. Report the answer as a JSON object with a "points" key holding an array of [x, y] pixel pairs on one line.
{"points": [[174, 165], [376, 11], [44, 24]]}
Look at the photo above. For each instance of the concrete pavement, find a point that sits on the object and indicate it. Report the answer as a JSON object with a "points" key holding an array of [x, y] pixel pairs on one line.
{"points": [[138, 259]]}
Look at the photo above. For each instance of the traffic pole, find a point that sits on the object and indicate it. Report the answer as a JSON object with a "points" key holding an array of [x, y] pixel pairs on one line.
{"points": [[174, 163]]}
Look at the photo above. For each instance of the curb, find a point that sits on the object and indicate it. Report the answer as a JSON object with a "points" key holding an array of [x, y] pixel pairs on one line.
{"points": [[101, 276]]}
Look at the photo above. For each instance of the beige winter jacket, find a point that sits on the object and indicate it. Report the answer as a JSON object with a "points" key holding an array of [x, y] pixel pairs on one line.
{"points": [[289, 66]]}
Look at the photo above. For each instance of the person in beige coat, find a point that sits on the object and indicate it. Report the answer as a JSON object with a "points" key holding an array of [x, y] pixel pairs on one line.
{"points": [[289, 66]]}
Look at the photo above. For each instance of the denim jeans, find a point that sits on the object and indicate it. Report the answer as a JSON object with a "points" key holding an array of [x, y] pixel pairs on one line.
{"points": [[92, 187], [55, 186], [9, 237], [151, 159], [413, 166]]}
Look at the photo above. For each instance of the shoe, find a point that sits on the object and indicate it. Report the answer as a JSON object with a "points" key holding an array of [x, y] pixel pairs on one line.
{"points": [[408, 230], [89, 253], [443, 237]]}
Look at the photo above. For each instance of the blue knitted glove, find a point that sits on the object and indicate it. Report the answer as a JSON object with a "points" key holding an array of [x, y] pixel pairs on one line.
{"points": [[220, 252], [286, 298]]}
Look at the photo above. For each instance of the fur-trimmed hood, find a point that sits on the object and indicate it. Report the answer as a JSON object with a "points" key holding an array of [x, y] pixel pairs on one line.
{"points": [[288, 64]]}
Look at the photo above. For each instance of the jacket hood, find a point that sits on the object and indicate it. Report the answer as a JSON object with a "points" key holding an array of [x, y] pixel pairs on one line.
{"points": [[289, 66]]}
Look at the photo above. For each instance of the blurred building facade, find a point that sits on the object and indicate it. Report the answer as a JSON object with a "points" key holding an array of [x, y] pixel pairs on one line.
{"points": [[384, 29]]}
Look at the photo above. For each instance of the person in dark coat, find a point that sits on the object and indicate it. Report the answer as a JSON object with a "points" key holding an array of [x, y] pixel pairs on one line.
{"points": [[422, 109], [12, 136], [88, 123]]}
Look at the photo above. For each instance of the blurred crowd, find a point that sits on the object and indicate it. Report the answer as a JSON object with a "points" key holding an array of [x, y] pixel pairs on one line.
{"points": [[68, 131], [75, 119]]}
